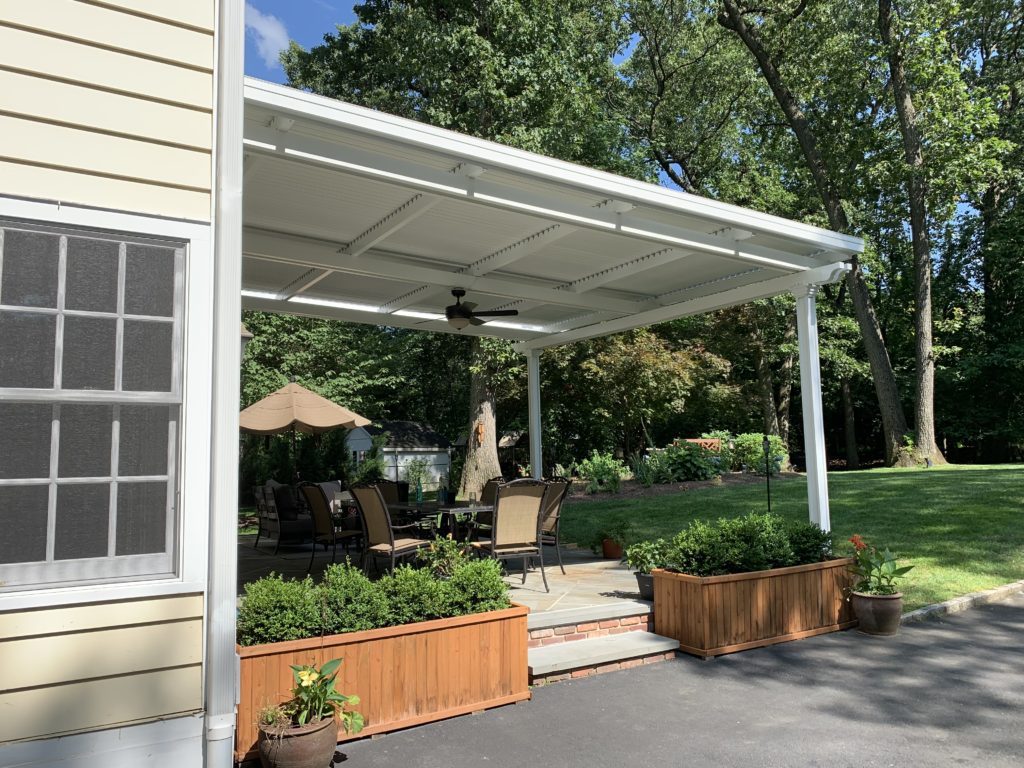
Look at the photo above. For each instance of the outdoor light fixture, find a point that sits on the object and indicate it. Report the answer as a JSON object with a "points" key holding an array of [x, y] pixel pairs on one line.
{"points": [[766, 445], [458, 322]]}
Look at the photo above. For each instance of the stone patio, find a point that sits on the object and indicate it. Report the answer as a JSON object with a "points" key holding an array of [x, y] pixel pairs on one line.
{"points": [[588, 580]]}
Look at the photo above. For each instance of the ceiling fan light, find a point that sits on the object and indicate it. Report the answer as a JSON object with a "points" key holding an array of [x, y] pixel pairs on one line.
{"points": [[458, 322]]}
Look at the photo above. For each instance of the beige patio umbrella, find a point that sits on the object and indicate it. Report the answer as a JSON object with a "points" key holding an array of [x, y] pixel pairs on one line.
{"points": [[294, 407]]}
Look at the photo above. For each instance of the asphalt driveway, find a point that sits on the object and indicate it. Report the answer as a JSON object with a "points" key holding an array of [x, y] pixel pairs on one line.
{"points": [[944, 692]]}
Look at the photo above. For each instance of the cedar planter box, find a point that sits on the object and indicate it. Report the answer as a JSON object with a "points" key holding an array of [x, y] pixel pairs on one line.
{"points": [[404, 676], [712, 615]]}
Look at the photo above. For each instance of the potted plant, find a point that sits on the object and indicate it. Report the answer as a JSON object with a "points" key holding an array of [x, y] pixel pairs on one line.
{"points": [[610, 539], [877, 602], [301, 732], [643, 557]]}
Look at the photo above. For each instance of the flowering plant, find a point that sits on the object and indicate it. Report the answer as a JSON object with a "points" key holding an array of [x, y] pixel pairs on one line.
{"points": [[314, 698], [876, 571]]}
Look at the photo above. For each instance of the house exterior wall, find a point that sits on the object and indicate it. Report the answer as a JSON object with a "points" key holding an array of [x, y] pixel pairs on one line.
{"points": [[108, 122], [439, 464], [109, 105]]}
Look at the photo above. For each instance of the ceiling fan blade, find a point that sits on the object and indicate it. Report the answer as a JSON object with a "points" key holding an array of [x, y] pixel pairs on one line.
{"points": [[475, 321], [470, 305], [498, 313]]}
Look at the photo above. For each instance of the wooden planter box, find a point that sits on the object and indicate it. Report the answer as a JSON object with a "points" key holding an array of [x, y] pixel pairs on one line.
{"points": [[712, 615], [404, 676]]}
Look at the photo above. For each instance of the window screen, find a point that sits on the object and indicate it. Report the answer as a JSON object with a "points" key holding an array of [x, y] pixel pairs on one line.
{"points": [[90, 402]]}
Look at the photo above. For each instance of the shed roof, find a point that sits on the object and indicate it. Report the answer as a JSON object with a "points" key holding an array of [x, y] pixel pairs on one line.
{"points": [[358, 215]]}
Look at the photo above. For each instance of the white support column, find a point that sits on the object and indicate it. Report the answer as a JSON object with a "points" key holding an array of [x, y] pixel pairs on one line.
{"points": [[810, 398], [533, 396]]}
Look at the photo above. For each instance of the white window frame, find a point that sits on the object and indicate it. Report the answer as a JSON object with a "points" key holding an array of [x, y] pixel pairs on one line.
{"points": [[188, 566]]}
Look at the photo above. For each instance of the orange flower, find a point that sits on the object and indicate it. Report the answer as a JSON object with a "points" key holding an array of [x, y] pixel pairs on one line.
{"points": [[858, 542]]}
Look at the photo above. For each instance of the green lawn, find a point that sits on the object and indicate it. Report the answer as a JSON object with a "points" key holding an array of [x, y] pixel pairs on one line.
{"points": [[962, 527]]}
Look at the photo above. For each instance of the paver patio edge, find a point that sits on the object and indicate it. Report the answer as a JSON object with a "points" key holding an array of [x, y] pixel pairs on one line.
{"points": [[963, 603]]}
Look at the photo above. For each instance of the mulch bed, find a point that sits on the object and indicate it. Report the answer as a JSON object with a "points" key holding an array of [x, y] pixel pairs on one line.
{"points": [[631, 489]]}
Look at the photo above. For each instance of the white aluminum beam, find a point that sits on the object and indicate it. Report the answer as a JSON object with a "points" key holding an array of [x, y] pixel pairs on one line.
{"points": [[810, 400], [306, 252], [641, 264], [727, 298], [423, 296], [316, 151], [304, 282], [533, 402], [409, 211], [523, 248], [417, 136]]}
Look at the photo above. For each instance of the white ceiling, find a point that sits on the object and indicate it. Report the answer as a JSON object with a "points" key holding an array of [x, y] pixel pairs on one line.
{"points": [[362, 216]]}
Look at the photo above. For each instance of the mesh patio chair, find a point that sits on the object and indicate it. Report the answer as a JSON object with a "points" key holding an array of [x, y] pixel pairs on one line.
{"points": [[325, 532], [551, 514], [481, 524], [378, 530], [515, 533]]}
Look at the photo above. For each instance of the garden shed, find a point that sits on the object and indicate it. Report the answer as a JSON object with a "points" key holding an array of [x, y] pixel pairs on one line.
{"points": [[407, 441]]}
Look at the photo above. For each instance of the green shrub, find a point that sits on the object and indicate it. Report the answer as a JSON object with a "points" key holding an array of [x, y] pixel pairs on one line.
{"points": [[645, 556], [602, 471], [476, 586], [444, 556], [350, 601], [750, 453], [726, 455], [689, 461], [274, 610], [415, 470], [414, 595], [731, 545], [642, 468], [809, 543]]}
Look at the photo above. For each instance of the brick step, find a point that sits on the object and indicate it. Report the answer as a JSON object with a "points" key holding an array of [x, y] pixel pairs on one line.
{"points": [[555, 627], [562, 661]]}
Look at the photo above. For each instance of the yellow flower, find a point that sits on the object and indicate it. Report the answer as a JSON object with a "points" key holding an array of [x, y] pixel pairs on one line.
{"points": [[306, 677]]}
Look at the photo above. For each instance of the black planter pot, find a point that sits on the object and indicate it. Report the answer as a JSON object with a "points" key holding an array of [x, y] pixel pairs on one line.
{"points": [[646, 583], [298, 746], [877, 614]]}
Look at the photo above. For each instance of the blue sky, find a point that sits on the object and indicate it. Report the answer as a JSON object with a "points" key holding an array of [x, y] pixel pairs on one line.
{"points": [[270, 24]]}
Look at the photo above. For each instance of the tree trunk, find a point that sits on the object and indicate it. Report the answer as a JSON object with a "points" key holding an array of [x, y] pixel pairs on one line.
{"points": [[482, 445], [917, 191], [849, 425], [765, 390], [786, 380], [894, 423]]}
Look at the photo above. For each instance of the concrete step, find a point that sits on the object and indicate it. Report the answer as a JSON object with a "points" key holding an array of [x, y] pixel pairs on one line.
{"points": [[562, 661], [589, 615]]}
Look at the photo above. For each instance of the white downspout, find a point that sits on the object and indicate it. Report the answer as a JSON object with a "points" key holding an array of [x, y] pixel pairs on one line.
{"points": [[810, 399], [533, 398], [221, 662]]}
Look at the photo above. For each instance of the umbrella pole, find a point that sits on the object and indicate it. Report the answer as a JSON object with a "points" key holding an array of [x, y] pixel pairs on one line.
{"points": [[295, 459]]}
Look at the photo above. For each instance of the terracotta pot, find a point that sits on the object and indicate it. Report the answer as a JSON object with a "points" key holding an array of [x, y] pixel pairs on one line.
{"points": [[611, 549], [646, 584], [299, 746], [878, 614]]}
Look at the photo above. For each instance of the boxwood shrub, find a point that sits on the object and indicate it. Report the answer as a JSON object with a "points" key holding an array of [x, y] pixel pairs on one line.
{"points": [[345, 600], [756, 542]]}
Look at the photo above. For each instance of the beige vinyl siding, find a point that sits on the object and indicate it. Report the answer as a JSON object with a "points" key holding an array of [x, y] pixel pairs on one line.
{"points": [[108, 103], [94, 666]]}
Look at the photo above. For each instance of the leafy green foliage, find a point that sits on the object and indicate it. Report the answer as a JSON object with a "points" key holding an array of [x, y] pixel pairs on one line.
{"points": [[274, 610], [749, 453], [444, 556], [602, 471], [415, 471], [755, 542], [645, 556], [876, 571], [809, 543], [314, 697]]}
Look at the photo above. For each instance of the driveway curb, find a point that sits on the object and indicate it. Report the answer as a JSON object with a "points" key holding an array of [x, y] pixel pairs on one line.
{"points": [[963, 603]]}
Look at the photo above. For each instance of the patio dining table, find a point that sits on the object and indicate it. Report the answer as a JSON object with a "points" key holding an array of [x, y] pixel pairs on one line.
{"points": [[450, 511]]}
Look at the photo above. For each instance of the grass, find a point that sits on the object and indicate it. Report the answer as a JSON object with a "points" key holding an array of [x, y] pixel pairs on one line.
{"points": [[961, 527]]}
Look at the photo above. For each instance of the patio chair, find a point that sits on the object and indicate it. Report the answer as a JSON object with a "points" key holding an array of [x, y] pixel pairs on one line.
{"points": [[378, 530], [481, 525], [293, 528], [515, 532], [325, 531], [551, 515]]}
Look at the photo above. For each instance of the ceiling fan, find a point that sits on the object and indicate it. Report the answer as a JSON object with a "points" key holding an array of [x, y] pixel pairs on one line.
{"points": [[460, 314]]}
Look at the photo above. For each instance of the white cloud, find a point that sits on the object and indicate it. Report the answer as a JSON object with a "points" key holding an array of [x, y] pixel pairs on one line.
{"points": [[270, 34]]}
